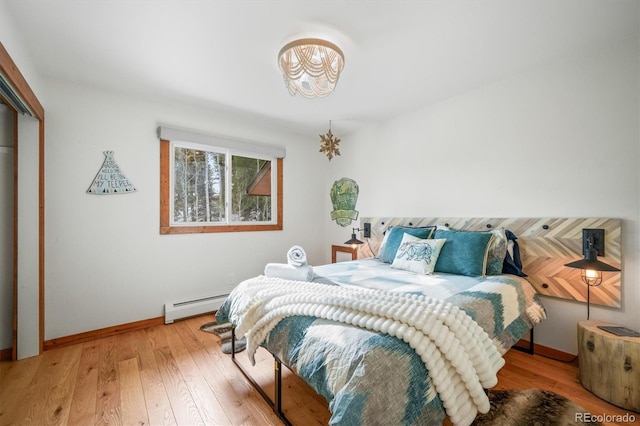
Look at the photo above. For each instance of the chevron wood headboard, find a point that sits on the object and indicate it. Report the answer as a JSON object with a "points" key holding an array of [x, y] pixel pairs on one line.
{"points": [[546, 245]]}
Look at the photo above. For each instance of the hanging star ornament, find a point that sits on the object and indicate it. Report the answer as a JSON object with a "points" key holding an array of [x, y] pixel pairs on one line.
{"points": [[329, 144]]}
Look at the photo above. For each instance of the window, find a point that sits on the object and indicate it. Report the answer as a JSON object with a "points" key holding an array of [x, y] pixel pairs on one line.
{"points": [[217, 186]]}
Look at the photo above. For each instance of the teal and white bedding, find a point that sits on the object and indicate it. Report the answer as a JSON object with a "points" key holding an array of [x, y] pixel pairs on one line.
{"points": [[371, 377]]}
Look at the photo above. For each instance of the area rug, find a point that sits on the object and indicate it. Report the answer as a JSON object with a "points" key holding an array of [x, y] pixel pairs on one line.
{"points": [[224, 332], [532, 407]]}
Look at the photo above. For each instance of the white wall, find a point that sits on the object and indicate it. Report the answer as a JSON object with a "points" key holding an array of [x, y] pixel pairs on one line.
{"points": [[558, 141], [13, 43], [106, 262]]}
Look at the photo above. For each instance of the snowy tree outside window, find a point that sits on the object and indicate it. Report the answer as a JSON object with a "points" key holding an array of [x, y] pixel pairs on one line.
{"points": [[217, 186]]}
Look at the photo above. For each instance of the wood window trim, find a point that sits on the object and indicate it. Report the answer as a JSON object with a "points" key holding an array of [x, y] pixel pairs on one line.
{"points": [[165, 197]]}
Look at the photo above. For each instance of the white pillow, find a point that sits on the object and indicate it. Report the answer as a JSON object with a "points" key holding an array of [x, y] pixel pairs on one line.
{"points": [[418, 255]]}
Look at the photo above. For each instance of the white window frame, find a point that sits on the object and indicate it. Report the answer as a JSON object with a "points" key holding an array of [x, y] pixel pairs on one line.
{"points": [[229, 153], [171, 138]]}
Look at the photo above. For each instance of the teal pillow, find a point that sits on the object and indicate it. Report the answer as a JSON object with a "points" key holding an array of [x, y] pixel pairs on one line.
{"points": [[395, 238], [464, 253]]}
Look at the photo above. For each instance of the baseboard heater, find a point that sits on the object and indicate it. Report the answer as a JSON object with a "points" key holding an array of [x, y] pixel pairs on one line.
{"points": [[190, 308]]}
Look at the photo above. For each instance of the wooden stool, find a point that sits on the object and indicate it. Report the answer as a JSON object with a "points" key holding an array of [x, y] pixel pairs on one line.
{"points": [[609, 365]]}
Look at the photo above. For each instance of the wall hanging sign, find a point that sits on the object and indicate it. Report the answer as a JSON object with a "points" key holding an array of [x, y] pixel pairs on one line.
{"points": [[110, 179], [344, 195]]}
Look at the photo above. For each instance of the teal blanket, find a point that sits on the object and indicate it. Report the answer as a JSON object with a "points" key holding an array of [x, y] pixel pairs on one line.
{"points": [[372, 378]]}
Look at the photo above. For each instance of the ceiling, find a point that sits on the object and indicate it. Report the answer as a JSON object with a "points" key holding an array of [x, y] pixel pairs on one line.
{"points": [[399, 55]]}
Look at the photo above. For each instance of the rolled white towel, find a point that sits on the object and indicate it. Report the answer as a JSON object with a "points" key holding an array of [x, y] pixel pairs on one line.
{"points": [[289, 272], [296, 256]]}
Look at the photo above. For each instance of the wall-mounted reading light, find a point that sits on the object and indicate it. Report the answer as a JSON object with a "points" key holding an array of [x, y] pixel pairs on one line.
{"points": [[592, 268], [366, 232]]}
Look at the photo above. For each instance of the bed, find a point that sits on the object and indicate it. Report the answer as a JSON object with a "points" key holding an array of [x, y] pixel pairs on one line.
{"points": [[384, 344]]}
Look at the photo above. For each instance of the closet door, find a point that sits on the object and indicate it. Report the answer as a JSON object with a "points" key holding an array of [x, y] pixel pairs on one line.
{"points": [[6, 247]]}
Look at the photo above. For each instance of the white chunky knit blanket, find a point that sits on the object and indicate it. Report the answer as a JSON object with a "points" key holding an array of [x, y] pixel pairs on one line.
{"points": [[458, 354]]}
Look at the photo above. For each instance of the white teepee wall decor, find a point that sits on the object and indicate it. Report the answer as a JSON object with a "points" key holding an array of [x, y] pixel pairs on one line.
{"points": [[110, 179]]}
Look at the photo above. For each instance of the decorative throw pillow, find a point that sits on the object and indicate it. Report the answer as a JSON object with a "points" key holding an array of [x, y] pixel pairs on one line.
{"points": [[417, 255], [497, 252], [395, 238], [465, 252], [383, 243], [512, 262]]}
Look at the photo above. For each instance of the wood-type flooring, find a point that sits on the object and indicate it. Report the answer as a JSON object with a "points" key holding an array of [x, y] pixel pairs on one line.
{"points": [[177, 375]]}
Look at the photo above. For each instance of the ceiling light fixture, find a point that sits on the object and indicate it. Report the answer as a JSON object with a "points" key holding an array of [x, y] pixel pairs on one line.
{"points": [[311, 66]]}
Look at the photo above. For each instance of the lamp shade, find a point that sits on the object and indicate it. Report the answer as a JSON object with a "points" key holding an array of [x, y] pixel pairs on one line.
{"points": [[354, 240], [591, 262], [592, 270]]}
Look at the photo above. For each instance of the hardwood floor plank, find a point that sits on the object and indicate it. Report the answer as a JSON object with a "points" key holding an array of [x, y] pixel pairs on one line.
{"points": [[59, 397], [296, 394], [245, 407], [184, 408], [35, 406], [158, 336], [223, 362], [144, 351], [205, 400], [158, 406], [83, 402], [108, 390], [134, 408], [15, 379], [223, 394], [111, 417], [126, 346], [300, 403], [18, 369], [177, 375]]}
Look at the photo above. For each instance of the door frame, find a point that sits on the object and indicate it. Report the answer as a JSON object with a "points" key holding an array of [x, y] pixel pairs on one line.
{"points": [[15, 78]]}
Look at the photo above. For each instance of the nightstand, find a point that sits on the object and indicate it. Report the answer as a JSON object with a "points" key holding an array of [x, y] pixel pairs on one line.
{"points": [[343, 249], [609, 365]]}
